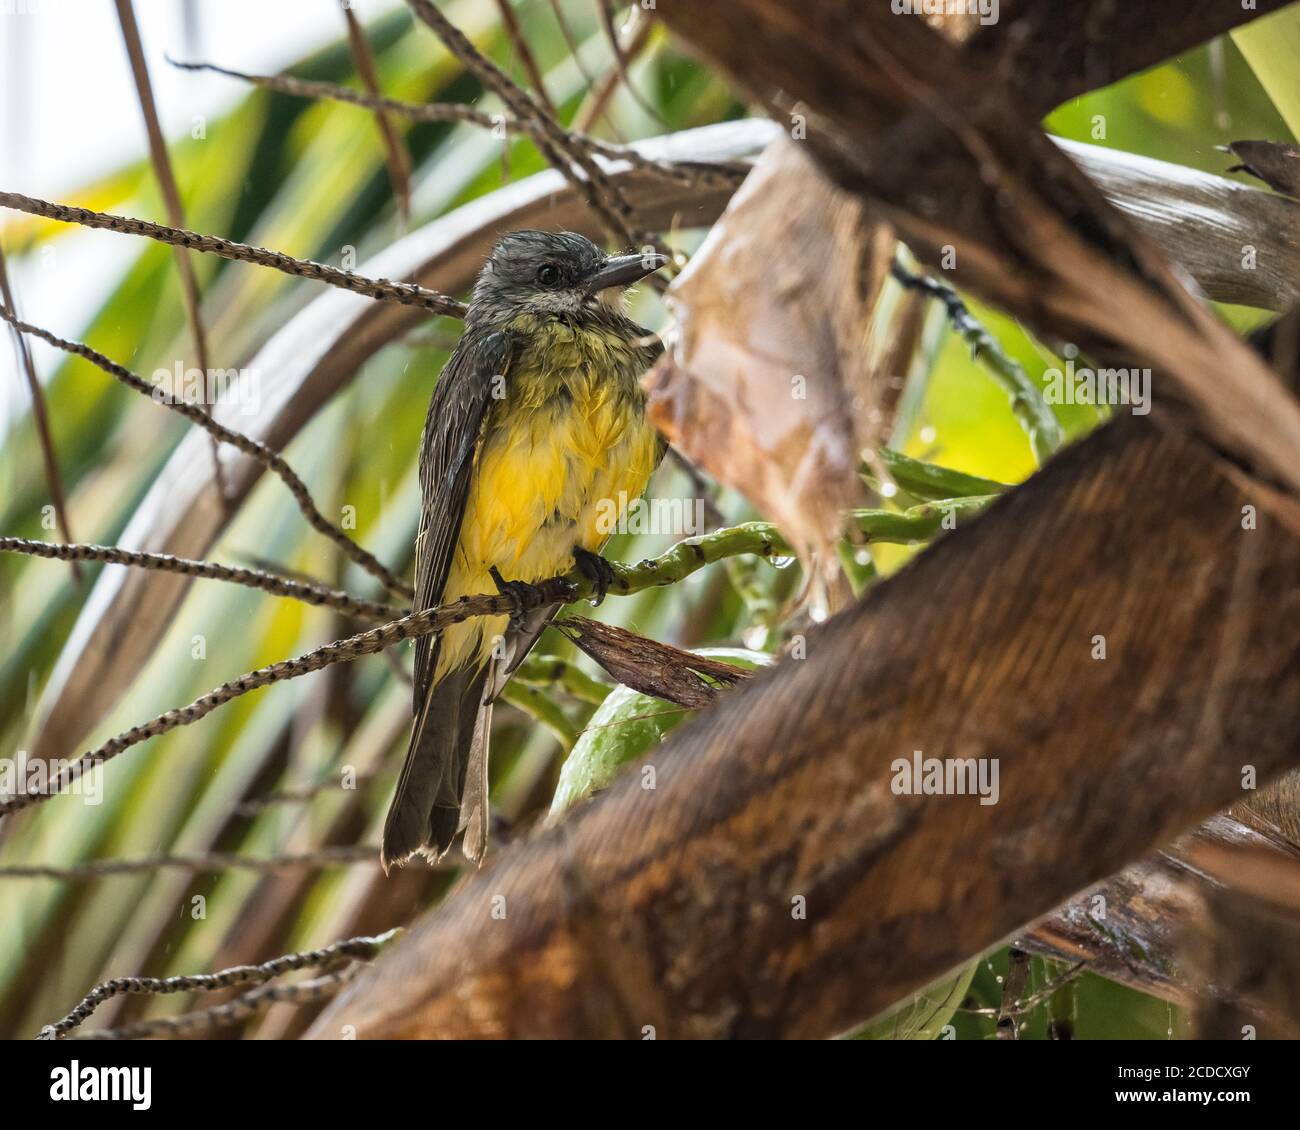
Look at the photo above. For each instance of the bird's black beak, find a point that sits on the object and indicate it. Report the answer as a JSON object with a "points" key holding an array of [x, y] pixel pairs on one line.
{"points": [[624, 270]]}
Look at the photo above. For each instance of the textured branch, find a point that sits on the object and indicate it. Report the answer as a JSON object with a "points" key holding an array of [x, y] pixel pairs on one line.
{"points": [[653, 668], [271, 460], [671, 907], [408, 294], [692, 173], [352, 948], [395, 153], [589, 180], [171, 195], [256, 804], [1027, 402], [519, 42], [674, 565], [198, 863], [638, 36], [232, 1012], [40, 417], [252, 578]]}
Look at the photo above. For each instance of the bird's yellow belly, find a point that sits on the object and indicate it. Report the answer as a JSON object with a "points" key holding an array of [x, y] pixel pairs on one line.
{"points": [[549, 477]]}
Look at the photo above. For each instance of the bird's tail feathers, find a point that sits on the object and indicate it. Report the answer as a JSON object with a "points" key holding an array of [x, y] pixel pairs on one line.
{"points": [[426, 811]]}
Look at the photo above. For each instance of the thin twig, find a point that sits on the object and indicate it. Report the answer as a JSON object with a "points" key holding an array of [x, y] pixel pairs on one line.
{"points": [[705, 174], [575, 53], [40, 417], [396, 155], [519, 42], [233, 1012], [1027, 402], [699, 486], [1028, 1004], [361, 949], [597, 102], [204, 863], [354, 647], [266, 565], [1013, 987], [166, 177], [254, 805], [677, 563], [255, 450], [408, 294], [252, 578], [639, 37], [313, 89], [588, 179]]}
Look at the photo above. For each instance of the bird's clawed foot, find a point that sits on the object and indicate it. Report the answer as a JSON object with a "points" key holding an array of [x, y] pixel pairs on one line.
{"points": [[596, 569], [522, 595]]}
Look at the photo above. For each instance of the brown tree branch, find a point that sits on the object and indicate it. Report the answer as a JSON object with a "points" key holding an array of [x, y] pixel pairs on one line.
{"points": [[408, 294], [1134, 927], [899, 114], [396, 156], [641, 28], [680, 561], [587, 177], [233, 1012], [271, 460], [40, 417], [350, 949], [672, 907], [171, 195], [519, 42], [308, 592], [703, 174], [201, 863]]}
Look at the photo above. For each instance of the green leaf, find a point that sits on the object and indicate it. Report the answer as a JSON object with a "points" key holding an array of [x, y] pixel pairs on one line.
{"points": [[925, 1015], [625, 727]]}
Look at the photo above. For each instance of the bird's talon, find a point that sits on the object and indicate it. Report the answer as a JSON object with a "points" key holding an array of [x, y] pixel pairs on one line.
{"points": [[597, 570], [523, 596]]}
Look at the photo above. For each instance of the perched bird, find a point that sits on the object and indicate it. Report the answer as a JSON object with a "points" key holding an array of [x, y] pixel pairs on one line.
{"points": [[536, 437]]}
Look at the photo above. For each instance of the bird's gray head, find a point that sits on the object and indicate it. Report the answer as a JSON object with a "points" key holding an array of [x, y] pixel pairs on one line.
{"points": [[558, 275]]}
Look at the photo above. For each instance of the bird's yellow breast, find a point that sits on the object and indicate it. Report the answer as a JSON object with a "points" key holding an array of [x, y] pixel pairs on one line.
{"points": [[565, 449]]}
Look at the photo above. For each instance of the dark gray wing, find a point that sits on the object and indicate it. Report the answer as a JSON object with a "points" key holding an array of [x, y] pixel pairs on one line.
{"points": [[451, 434]]}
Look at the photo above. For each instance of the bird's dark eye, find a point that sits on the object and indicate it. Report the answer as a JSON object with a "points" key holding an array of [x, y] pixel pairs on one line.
{"points": [[548, 274]]}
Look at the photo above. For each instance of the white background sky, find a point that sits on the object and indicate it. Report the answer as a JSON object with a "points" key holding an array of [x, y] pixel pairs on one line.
{"points": [[69, 113]]}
